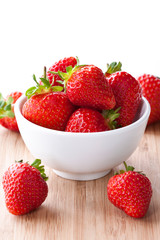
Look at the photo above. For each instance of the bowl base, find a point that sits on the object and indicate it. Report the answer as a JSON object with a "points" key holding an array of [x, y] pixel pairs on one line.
{"points": [[81, 177]]}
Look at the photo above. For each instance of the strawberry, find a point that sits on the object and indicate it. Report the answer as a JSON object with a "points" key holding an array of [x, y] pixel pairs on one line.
{"points": [[151, 91], [128, 94], [112, 68], [61, 65], [47, 106], [90, 120], [25, 187], [7, 117], [86, 86], [130, 191], [50, 110]]}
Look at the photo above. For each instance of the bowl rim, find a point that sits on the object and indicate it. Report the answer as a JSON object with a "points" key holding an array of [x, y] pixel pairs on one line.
{"points": [[23, 98]]}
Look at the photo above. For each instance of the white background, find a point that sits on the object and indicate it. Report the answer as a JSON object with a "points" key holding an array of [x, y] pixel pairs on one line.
{"points": [[37, 33]]}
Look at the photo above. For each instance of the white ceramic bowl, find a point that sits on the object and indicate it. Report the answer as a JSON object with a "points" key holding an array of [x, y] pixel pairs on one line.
{"points": [[82, 156]]}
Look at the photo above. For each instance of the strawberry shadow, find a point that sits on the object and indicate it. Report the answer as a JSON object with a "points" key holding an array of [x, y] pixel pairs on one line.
{"points": [[41, 214]]}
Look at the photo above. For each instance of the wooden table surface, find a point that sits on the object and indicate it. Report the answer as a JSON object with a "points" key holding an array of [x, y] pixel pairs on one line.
{"points": [[76, 210]]}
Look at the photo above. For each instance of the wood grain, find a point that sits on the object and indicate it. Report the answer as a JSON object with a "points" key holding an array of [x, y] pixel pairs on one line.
{"points": [[77, 210]]}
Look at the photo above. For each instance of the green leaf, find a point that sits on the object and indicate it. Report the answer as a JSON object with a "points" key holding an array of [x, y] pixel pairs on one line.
{"points": [[130, 168], [10, 114], [53, 72], [34, 78], [44, 87], [69, 69], [7, 107], [110, 117], [114, 67], [62, 75], [45, 82], [1, 97], [57, 88], [10, 100], [127, 168], [61, 82], [30, 92], [52, 81], [2, 103], [36, 164], [2, 116], [5, 113], [141, 172]]}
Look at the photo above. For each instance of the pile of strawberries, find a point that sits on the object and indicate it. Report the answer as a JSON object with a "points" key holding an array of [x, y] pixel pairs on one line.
{"points": [[80, 98]]}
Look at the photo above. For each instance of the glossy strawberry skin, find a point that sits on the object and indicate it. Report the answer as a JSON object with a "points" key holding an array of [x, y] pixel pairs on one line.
{"points": [[86, 120], [61, 65], [151, 91], [50, 110], [131, 192], [25, 189], [8, 122], [128, 94], [88, 87]]}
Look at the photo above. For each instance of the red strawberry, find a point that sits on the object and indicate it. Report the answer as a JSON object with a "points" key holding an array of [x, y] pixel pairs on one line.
{"points": [[87, 87], [7, 117], [50, 110], [90, 120], [47, 108], [25, 187], [130, 191], [61, 65], [151, 91], [128, 94], [112, 68]]}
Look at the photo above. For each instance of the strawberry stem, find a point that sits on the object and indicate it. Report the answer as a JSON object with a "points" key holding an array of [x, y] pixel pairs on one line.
{"points": [[66, 75], [45, 72], [46, 87], [110, 117], [36, 164], [127, 169]]}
